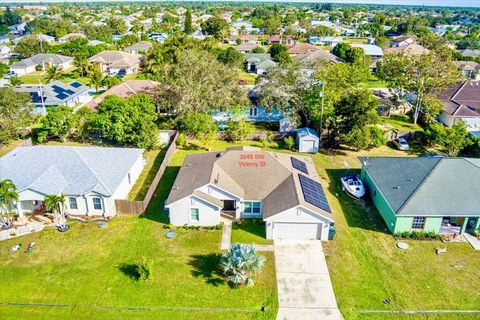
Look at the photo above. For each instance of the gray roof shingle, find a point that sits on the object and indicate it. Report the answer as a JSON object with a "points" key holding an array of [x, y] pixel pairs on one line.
{"points": [[68, 170], [427, 186]]}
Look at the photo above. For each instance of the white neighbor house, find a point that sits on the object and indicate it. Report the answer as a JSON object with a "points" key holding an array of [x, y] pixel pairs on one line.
{"points": [[246, 182], [91, 178]]}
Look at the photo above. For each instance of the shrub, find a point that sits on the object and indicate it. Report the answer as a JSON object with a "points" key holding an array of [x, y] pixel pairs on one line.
{"points": [[418, 235], [181, 140], [240, 263], [144, 269], [239, 130], [289, 143], [377, 137]]}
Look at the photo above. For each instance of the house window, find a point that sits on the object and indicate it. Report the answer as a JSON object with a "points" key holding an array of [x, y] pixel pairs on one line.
{"points": [[253, 111], [73, 203], [194, 214], [97, 204], [251, 207], [418, 223]]}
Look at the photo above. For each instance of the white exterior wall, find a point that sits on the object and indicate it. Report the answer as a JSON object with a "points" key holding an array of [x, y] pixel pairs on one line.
{"points": [[125, 187], [22, 70], [179, 212], [297, 214], [218, 193]]}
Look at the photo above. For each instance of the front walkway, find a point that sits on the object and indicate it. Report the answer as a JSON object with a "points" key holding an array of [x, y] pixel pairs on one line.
{"points": [[305, 291], [227, 236], [472, 240]]}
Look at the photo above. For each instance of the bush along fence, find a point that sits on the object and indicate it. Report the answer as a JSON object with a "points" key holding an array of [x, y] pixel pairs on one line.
{"points": [[139, 207]]}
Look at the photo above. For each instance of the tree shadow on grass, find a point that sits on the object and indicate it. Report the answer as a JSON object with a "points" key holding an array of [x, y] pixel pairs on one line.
{"points": [[130, 270], [358, 213], [207, 267]]}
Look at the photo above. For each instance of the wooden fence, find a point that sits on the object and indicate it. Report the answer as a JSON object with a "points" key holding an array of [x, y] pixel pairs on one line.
{"points": [[139, 207]]}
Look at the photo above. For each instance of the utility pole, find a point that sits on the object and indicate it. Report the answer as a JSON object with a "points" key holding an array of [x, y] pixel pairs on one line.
{"points": [[322, 97]]}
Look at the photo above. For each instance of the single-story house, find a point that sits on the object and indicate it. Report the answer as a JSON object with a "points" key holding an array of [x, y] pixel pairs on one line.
{"points": [[71, 36], [258, 63], [44, 60], [112, 62], [317, 55], [56, 94], [469, 69], [413, 49], [424, 194], [245, 182], [325, 41], [125, 90], [139, 48], [91, 178], [158, 37], [307, 140], [401, 41], [254, 113], [375, 52], [461, 102], [243, 39], [469, 53], [301, 49], [39, 36], [246, 48]]}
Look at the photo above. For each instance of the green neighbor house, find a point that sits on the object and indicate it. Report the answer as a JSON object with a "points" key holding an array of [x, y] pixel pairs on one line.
{"points": [[425, 194]]}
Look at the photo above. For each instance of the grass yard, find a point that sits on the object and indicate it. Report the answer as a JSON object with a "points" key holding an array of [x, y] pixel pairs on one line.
{"points": [[154, 160], [400, 122], [249, 231], [248, 77], [33, 78], [6, 148]]}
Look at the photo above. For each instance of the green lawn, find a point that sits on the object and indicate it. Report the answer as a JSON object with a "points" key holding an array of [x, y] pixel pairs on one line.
{"points": [[400, 122], [154, 160], [249, 231], [248, 77]]}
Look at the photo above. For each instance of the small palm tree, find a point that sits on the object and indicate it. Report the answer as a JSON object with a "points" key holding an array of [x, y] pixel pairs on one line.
{"points": [[240, 263], [53, 73], [55, 204], [96, 79], [15, 81], [8, 194], [81, 62]]}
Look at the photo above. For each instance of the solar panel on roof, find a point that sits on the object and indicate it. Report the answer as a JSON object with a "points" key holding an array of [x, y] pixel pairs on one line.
{"points": [[62, 96], [313, 193], [69, 92], [76, 84], [299, 165]]}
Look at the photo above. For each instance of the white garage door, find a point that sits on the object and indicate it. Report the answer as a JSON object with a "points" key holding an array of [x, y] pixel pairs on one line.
{"points": [[308, 146], [297, 230]]}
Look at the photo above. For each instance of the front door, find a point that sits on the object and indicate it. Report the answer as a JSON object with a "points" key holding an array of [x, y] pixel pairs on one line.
{"points": [[229, 205], [471, 224]]}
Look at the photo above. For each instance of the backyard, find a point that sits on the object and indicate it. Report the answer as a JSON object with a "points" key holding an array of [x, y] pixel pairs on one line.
{"points": [[367, 270]]}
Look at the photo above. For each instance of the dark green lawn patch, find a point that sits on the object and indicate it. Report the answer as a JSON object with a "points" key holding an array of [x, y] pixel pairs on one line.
{"points": [[249, 231]]}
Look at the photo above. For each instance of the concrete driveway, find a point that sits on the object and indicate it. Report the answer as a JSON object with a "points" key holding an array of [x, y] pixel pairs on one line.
{"points": [[304, 288]]}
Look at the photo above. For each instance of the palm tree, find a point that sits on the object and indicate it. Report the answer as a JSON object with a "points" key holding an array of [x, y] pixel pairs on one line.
{"points": [[81, 62], [8, 194], [53, 73], [96, 79], [15, 81], [55, 204], [241, 262]]}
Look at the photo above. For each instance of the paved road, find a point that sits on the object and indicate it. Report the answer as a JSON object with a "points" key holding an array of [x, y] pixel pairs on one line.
{"points": [[305, 291]]}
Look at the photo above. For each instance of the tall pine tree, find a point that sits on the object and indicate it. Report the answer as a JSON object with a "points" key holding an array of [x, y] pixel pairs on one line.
{"points": [[188, 28]]}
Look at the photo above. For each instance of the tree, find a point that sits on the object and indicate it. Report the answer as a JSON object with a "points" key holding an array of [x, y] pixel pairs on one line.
{"points": [[272, 25], [289, 143], [128, 121], [241, 263], [16, 114], [353, 113], [216, 26], [56, 204], [239, 130], [198, 125], [53, 73], [188, 27], [83, 123], [348, 53], [110, 81], [15, 81], [231, 56], [117, 26], [81, 62], [8, 194], [283, 57], [198, 82], [453, 140], [31, 45], [423, 75], [56, 124], [275, 49], [96, 79], [3, 69]]}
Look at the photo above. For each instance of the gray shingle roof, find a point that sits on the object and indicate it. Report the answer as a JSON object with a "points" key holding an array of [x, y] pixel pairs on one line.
{"points": [[427, 186], [37, 59], [68, 170], [53, 94]]}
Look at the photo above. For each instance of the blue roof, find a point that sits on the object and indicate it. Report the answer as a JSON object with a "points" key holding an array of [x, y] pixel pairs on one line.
{"points": [[306, 132]]}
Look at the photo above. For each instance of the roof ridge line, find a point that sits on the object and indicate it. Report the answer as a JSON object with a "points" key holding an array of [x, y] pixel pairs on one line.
{"points": [[93, 172], [419, 186], [456, 92]]}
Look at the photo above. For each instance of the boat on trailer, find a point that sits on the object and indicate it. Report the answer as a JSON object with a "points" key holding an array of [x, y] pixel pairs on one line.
{"points": [[353, 186]]}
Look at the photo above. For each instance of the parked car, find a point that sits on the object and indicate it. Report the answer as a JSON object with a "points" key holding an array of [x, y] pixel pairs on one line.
{"points": [[401, 144]]}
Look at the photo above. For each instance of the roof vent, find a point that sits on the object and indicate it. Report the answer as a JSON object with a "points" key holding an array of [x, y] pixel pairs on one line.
{"points": [[396, 187], [218, 155], [175, 188]]}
